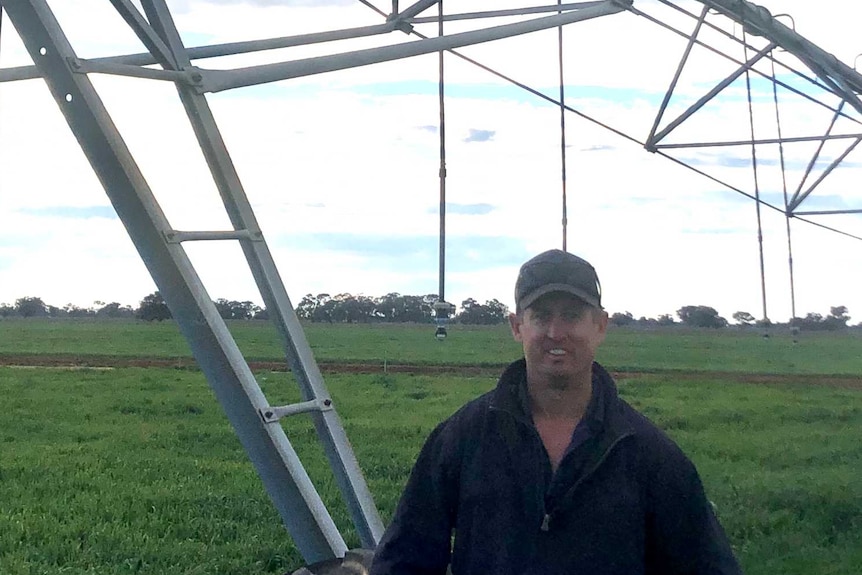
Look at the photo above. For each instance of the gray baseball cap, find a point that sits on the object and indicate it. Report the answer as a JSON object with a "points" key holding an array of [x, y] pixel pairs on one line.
{"points": [[557, 271]]}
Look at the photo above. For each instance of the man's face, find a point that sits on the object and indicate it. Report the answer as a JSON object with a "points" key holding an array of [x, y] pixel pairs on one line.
{"points": [[560, 334]]}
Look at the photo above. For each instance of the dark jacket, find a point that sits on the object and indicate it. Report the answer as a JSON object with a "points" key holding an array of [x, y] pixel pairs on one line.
{"points": [[626, 501]]}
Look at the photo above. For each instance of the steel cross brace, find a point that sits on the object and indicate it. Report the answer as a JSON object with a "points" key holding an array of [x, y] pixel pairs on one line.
{"points": [[218, 80], [834, 76]]}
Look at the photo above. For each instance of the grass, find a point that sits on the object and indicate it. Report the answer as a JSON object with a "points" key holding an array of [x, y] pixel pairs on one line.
{"points": [[780, 462], [735, 350], [137, 470]]}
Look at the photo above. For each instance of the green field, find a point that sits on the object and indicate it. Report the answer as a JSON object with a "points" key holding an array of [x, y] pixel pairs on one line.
{"points": [[130, 470]]}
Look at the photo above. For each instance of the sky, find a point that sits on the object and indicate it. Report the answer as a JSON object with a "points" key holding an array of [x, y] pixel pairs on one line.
{"points": [[342, 168]]}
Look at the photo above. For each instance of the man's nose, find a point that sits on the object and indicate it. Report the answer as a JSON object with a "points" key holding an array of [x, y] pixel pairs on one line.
{"points": [[556, 328]]}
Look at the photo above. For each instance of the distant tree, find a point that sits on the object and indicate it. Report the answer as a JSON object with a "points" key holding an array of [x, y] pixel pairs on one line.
{"points": [[340, 305], [394, 307], [620, 319], [416, 309], [115, 310], [223, 308], [839, 311], [245, 309], [305, 308], [6, 310], [811, 322], [235, 309], [743, 318], [431, 299], [838, 317], [323, 309], [354, 309], [31, 307], [490, 313], [73, 310], [665, 319], [346, 308], [498, 311], [836, 320], [315, 307], [469, 309], [700, 316], [389, 307], [153, 308]]}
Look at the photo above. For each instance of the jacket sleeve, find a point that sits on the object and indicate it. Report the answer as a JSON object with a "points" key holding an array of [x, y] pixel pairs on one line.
{"points": [[684, 536], [418, 539]]}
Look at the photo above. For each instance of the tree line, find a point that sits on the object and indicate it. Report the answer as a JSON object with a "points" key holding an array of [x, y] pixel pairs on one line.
{"points": [[394, 308], [705, 316], [397, 308], [341, 308], [151, 308]]}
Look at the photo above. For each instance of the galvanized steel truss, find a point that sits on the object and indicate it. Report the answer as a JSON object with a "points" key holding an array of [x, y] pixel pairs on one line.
{"points": [[764, 39]]}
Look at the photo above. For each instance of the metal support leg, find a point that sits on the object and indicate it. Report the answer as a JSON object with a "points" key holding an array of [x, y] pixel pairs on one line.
{"points": [[329, 428]]}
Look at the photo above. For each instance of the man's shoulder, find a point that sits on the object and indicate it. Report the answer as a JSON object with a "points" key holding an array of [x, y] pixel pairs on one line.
{"points": [[665, 466], [469, 414], [450, 436], [652, 440], [499, 398]]}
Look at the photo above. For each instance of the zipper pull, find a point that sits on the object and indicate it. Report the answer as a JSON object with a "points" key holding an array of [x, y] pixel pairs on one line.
{"points": [[546, 523]]}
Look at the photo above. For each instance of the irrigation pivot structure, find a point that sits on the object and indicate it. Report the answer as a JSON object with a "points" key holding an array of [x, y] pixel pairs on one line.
{"points": [[761, 42]]}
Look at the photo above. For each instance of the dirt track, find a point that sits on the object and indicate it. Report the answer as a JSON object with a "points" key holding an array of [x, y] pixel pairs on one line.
{"points": [[94, 361]]}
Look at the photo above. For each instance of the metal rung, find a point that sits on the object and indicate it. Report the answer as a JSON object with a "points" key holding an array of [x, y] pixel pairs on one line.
{"points": [[272, 414], [83, 66], [175, 236]]}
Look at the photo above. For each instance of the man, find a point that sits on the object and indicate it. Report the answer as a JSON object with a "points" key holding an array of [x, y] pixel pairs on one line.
{"points": [[552, 472]]}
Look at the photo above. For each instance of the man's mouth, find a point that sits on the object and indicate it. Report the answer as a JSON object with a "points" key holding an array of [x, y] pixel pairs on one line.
{"points": [[557, 351]]}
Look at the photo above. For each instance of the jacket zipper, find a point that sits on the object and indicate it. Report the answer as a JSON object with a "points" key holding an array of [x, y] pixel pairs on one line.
{"points": [[521, 420], [546, 521], [546, 515]]}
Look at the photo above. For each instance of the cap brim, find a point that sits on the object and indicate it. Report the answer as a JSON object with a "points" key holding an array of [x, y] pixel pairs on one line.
{"points": [[530, 298]]}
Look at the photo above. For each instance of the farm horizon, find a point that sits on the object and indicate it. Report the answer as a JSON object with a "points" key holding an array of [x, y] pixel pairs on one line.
{"points": [[628, 348], [402, 308]]}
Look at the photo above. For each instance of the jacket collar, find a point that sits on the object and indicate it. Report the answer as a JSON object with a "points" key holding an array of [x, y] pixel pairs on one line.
{"points": [[511, 396]]}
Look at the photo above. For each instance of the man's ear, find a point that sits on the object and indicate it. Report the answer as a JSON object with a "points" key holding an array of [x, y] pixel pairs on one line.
{"points": [[602, 321], [515, 321]]}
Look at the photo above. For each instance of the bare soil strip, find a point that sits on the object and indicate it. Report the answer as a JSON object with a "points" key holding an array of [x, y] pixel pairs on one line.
{"points": [[102, 362]]}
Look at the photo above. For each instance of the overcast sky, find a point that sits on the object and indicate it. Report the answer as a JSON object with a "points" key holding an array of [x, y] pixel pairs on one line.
{"points": [[342, 168]]}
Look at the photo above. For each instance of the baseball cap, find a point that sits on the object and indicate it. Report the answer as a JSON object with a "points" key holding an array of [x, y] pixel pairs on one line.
{"points": [[557, 271]]}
